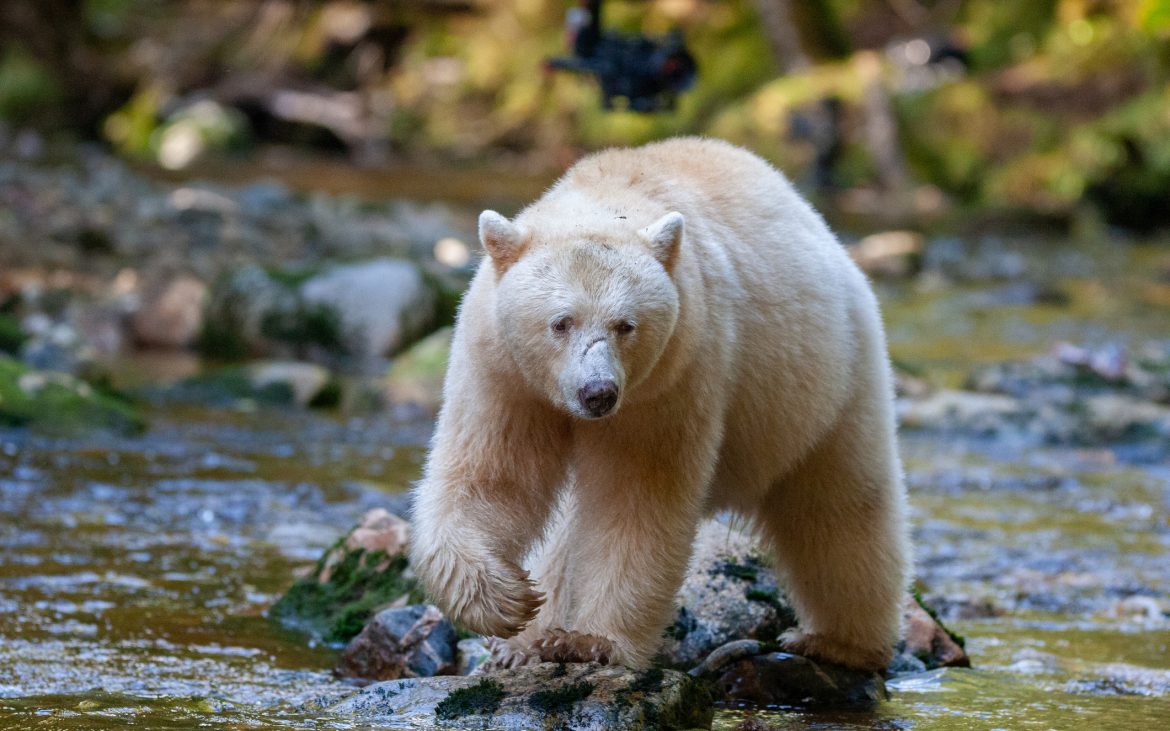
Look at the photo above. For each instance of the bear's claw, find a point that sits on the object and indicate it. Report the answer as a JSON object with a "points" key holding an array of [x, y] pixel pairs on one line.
{"points": [[560, 645], [819, 647]]}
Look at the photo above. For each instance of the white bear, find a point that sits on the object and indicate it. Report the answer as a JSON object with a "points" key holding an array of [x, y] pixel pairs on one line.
{"points": [[669, 331]]}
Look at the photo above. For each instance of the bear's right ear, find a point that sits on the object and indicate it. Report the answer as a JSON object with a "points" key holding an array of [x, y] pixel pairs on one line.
{"points": [[501, 239]]}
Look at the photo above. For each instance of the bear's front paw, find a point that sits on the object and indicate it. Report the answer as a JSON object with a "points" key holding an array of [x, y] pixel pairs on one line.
{"points": [[830, 650], [506, 654], [493, 598], [560, 645]]}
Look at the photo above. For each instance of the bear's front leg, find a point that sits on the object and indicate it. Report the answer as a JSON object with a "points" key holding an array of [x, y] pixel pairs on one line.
{"points": [[484, 499], [640, 496]]}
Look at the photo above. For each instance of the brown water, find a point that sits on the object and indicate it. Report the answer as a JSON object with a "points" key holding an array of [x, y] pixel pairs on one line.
{"points": [[135, 572]]}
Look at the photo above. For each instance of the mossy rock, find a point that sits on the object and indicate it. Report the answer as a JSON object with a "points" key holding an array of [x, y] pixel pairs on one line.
{"points": [[60, 404], [416, 375], [583, 696], [359, 584]]}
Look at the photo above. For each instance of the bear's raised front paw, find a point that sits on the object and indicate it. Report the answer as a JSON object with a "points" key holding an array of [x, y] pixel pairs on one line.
{"points": [[560, 645], [826, 649], [494, 599]]}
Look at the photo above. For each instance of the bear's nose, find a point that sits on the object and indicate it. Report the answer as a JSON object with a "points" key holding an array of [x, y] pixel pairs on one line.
{"points": [[598, 397]]}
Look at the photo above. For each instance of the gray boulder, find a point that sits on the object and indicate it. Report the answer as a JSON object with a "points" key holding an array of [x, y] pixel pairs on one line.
{"points": [[382, 305], [575, 696]]}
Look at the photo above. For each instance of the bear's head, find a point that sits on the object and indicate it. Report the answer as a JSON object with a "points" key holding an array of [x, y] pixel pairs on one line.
{"points": [[585, 315]]}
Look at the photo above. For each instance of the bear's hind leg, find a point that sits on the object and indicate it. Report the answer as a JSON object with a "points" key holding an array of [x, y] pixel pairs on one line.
{"points": [[837, 525]]}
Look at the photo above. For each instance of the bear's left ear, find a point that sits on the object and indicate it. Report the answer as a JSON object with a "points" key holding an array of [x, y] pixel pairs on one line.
{"points": [[502, 239], [664, 236]]}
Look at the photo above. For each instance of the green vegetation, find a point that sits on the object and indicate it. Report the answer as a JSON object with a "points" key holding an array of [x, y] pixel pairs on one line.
{"points": [[358, 586], [483, 698], [740, 571], [1054, 104], [560, 700], [11, 335]]}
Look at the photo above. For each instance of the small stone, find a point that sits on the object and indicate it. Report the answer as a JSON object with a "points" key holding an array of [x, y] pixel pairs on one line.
{"points": [[171, 315], [472, 653], [412, 641], [304, 380], [890, 254], [927, 640]]}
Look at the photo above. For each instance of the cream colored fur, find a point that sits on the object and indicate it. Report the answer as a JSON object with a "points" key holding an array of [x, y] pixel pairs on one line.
{"points": [[754, 379]]}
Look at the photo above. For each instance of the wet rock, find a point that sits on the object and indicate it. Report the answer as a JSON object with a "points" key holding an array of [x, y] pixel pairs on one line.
{"points": [[582, 697], [746, 672], [362, 573], [306, 382], [728, 594], [381, 305], [416, 376], [171, 313], [926, 639], [58, 403], [890, 254], [414, 641]]}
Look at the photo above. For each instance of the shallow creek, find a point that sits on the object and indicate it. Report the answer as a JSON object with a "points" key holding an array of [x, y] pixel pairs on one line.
{"points": [[135, 572]]}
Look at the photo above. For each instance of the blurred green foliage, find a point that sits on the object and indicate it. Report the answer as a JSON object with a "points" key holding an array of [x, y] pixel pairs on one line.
{"points": [[1060, 101]]}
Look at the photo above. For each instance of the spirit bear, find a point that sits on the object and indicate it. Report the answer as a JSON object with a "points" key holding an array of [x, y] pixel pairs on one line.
{"points": [[668, 332]]}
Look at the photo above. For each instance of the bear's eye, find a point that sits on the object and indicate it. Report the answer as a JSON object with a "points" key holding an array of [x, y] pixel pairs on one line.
{"points": [[562, 324], [625, 327]]}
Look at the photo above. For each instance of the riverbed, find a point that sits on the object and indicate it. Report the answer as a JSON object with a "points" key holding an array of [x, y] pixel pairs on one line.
{"points": [[137, 571]]}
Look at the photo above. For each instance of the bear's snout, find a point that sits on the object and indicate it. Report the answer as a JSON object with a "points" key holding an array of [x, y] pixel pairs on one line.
{"points": [[598, 397]]}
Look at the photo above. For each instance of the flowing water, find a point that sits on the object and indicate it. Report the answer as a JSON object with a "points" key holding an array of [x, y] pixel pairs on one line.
{"points": [[135, 572]]}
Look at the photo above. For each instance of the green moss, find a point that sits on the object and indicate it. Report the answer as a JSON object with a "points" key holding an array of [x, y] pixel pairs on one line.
{"points": [[11, 335], [337, 610], [649, 681], [695, 709], [483, 698], [560, 700], [59, 404], [740, 571]]}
